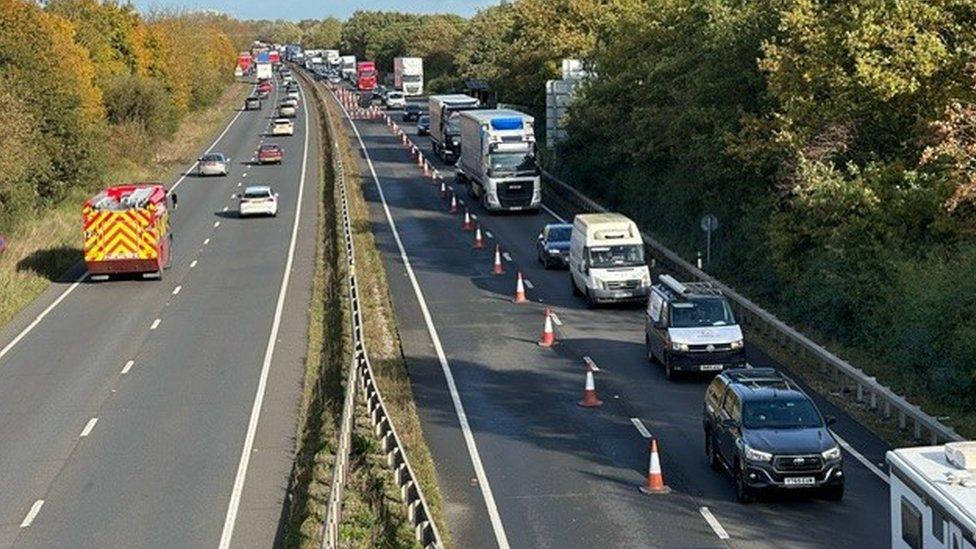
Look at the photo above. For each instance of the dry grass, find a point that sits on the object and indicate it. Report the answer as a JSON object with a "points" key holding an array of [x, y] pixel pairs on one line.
{"points": [[42, 249]]}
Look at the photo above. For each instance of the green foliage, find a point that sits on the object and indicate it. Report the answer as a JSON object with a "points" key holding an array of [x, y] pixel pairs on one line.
{"points": [[324, 34], [141, 100]]}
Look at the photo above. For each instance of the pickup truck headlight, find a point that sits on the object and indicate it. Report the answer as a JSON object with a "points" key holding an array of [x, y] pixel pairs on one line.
{"points": [[832, 454], [737, 344], [675, 346], [756, 455]]}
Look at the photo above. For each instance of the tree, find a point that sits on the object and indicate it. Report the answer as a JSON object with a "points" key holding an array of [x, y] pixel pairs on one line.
{"points": [[324, 34]]}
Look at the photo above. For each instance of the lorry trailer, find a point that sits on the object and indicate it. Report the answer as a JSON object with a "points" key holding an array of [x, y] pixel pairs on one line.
{"points": [[365, 76], [126, 230], [348, 67], [497, 159], [445, 136]]}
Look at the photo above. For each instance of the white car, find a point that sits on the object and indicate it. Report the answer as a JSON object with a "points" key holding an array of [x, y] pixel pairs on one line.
{"points": [[395, 100], [282, 126], [213, 164], [290, 101], [294, 94], [258, 200], [286, 111]]}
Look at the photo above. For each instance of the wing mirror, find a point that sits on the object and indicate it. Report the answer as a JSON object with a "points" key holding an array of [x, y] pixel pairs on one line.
{"points": [[172, 196]]}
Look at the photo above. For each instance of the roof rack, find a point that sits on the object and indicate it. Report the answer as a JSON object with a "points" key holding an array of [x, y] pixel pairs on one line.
{"points": [[762, 378], [689, 288]]}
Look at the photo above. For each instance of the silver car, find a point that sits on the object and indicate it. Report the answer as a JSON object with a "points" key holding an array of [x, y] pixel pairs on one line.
{"points": [[213, 164]]}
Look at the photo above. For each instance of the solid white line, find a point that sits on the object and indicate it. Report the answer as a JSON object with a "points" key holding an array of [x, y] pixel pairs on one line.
{"points": [[860, 457], [127, 367], [555, 318], [210, 148], [177, 289], [640, 427], [37, 320], [88, 427], [479, 470], [252, 426], [206, 241], [155, 324], [554, 214], [714, 523], [32, 514], [193, 263]]}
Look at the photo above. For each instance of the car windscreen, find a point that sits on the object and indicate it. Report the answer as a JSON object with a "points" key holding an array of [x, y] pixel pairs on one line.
{"points": [[560, 234], [780, 414], [213, 158], [624, 255], [270, 148], [700, 312]]}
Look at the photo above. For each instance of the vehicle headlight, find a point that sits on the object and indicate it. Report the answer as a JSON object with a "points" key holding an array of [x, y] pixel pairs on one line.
{"points": [[737, 344], [554, 251], [756, 455], [646, 279], [832, 454], [675, 346]]}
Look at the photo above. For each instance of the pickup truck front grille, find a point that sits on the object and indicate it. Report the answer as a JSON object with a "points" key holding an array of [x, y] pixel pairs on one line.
{"points": [[798, 464]]}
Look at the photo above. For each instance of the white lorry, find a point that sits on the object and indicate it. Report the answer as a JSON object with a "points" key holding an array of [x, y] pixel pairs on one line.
{"points": [[348, 67], [606, 259], [445, 136], [408, 75], [933, 496], [497, 159], [331, 57], [263, 71]]}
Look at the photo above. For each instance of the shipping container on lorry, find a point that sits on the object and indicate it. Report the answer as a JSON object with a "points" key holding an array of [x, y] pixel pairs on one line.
{"points": [[445, 137], [932, 492], [365, 76], [497, 159], [263, 71], [408, 75], [126, 230], [263, 56], [349, 67]]}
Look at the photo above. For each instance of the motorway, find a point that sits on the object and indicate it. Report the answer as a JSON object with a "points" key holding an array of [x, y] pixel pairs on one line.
{"points": [[518, 462], [161, 413]]}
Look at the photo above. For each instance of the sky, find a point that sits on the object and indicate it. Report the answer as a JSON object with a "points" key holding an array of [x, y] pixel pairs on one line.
{"points": [[315, 9]]}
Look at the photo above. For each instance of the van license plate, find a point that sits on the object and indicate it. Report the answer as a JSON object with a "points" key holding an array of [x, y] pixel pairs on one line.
{"points": [[710, 367], [799, 481]]}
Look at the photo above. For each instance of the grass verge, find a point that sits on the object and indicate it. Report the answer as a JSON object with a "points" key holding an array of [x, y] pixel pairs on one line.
{"points": [[43, 247]]}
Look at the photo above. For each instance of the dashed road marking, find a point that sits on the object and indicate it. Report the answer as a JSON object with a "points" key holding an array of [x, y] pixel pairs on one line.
{"points": [[489, 235], [88, 427], [238, 184], [177, 290], [206, 241], [32, 514], [193, 263], [555, 319], [507, 256], [225, 209], [244, 174], [216, 224], [639, 425], [714, 523], [528, 283], [127, 367], [155, 324]]}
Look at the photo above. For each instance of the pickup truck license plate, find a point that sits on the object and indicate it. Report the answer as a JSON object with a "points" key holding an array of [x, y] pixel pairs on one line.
{"points": [[799, 481], [710, 367]]}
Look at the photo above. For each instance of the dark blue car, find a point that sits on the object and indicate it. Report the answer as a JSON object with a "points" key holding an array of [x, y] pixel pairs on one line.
{"points": [[553, 245]]}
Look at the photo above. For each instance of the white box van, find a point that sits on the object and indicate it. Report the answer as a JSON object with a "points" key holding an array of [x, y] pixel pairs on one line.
{"points": [[606, 259]]}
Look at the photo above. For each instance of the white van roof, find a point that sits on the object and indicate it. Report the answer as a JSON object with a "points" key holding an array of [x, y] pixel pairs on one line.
{"points": [[607, 226]]}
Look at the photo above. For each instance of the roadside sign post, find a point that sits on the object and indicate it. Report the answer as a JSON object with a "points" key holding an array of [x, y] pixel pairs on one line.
{"points": [[708, 224]]}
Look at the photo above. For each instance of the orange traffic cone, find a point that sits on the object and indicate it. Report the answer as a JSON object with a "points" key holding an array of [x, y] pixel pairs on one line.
{"points": [[443, 189], [426, 168], [498, 269], [548, 338], [519, 289], [655, 479], [589, 393], [479, 243], [467, 225], [454, 206], [403, 139]]}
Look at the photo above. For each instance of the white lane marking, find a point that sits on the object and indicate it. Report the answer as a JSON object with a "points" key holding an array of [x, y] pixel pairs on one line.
{"points": [[489, 235], [216, 224], [177, 290], [639, 425], [155, 324], [88, 427], [193, 263], [479, 470], [37, 320], [554, 214], [32, 514], [206, 241], [528, 283], [252, 426], [238, 184], [127, 367], [244, 174], [507, 256], [714, 523], [591, 364], [555, 318], [860, 457]]}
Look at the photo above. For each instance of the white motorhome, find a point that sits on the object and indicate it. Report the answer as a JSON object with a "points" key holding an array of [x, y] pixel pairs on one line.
{"points": [[348, 67], [933, 496], [445, 136], [606, 259], [408, 75], [497, 159]]}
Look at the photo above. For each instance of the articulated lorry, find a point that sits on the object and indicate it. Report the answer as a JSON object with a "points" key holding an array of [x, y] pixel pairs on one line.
{"points": [[497, 159], [445, 136], [408, 75], [348, 67]]}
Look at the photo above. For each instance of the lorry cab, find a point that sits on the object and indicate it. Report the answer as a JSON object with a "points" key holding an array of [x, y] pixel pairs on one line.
{"points": [[606, 259], [445, 134], [497, 159], [690, 327]]}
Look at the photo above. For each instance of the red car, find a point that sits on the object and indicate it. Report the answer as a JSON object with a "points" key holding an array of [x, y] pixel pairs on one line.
{"points": [[264, 86], [270, 154]]}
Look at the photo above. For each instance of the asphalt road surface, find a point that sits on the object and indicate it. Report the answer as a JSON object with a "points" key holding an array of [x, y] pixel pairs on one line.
{"points": [[519, 463], [128, 407]]}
